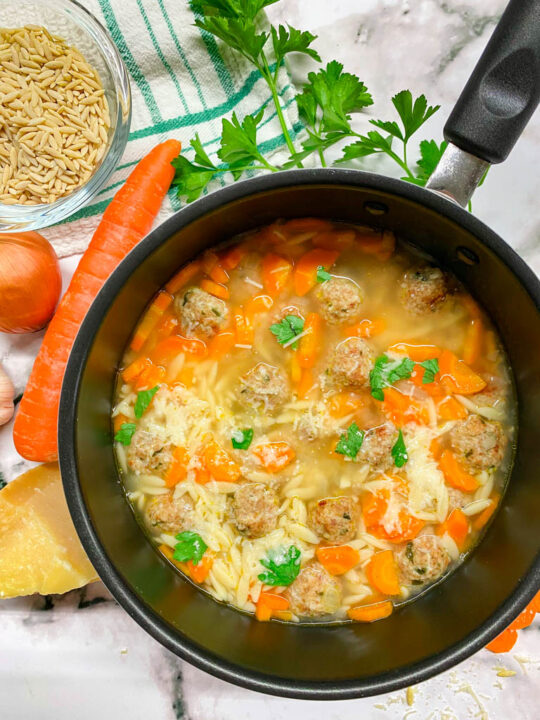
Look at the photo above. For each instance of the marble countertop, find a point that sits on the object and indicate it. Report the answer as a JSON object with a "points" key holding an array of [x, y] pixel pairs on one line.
{"points": [[81, 653]]}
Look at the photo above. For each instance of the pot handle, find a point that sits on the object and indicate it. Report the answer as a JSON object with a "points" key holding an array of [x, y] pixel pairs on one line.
{"points": [[496, 103]]}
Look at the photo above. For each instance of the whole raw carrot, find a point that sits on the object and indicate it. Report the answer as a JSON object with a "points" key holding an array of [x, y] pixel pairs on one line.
{"points": [[125, 222]]}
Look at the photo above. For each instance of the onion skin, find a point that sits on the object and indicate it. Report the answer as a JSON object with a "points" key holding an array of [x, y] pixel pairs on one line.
{"points": [[30, 282]]}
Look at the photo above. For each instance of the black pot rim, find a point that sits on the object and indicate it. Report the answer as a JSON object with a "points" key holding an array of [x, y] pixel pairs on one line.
{"points": [[143, 615]]}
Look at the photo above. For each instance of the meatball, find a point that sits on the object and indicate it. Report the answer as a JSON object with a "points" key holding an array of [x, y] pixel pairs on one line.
{"points": [[200, 313], [341, 300], [479, 441], [264, 386], [351, 363], [147, 454], [423, 289], [457, 498], [170, 514], [422, 560], [335, 519], [377, 446], [314, 592], [255, 510]]}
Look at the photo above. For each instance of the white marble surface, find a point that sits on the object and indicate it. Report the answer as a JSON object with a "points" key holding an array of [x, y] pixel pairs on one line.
{"points": [[80, 655]]}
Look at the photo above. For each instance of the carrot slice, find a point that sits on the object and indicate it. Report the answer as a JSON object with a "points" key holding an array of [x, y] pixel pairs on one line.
{"points": [[434, 389], [274, 456], [220, 464], [382, 573], [451, 409], [269, 604], [436, 448], [381, 245], [310, 343], [374, 506], [150, 320], [177, 470], [212, 267], [371, 613], [183, 276], [231, 258], [337, 560], [221, 344], [150, 377], [243, 327], [305, 383], [417, 353], [454, 473], [258, 304], [167, 350], [366, 328], [135, 368], [214, 288], [345, 403], [457, 526], [275, 272], [474, 337], [193, 346], [524, 619], [185, 376], [483, 518], [402, 409], [503, 643], [167, 326], [198, 573], [305, 273], [458, 377]]}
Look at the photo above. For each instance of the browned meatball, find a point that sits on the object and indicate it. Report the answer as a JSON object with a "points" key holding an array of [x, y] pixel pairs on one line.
{"points": [[377, 446], [422, 560], [200, 313], [255, 509], [170, 514], [423, 289], [351, 363], [264, 386], [314, 592], [335, 519], [147, 454], [480, 442], [341, 301]]}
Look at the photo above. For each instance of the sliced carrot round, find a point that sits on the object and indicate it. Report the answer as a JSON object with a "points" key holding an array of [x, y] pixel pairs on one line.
{"points": [[337, 559], [382, 573], [371, 613]]}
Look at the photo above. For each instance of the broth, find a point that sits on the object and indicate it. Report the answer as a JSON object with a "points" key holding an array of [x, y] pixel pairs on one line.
{"points": [[314, 422]]}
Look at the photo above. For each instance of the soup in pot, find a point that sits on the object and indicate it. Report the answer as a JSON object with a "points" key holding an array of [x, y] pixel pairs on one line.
{"points": [[314, 422]]}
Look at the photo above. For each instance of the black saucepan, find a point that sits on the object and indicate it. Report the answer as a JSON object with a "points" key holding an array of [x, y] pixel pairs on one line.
{"points": [[461, 614]]}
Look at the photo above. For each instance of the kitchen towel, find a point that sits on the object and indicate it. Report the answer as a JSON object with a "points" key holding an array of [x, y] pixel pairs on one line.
{"points": [[183, 81]]}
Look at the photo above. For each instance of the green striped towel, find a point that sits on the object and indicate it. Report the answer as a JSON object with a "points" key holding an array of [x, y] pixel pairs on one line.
{"points": [[182, 82]]}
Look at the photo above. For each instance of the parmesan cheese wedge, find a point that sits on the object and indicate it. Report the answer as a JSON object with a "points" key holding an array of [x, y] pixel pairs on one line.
{"points": [[39, 548]]}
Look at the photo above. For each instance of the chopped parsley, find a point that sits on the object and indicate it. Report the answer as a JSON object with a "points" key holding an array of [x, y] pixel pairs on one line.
{"points": [[190, 546], [125, 433], [287, 330], [144, 398], [386, 371], [399, 451], [351, 441], [282, 565], [241, 439], [431, 368], [323, 275]]}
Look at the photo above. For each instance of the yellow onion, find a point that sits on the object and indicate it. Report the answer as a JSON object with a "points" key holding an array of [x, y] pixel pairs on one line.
{"points": [[30, 282]]}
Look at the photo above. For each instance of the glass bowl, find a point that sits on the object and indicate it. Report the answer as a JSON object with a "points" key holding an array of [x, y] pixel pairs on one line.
{"points": [[78, 27]]}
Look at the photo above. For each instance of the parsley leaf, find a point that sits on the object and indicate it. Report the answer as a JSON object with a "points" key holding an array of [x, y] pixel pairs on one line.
{"points": [[368, 144], [190, 546], [386, 371], [241, 439], [413, 114], [430, 154], [431, 368], [399, 451], [144, 398], [288, 39], [239, 139], [125, 433], [283, 566], [351, 441], [287, 329], [323, 275]]}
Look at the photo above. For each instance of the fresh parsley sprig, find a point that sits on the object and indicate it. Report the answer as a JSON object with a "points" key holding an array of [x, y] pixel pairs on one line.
{"points": [[399, 451], [190, 546], [282, 566], [385, 372], [351, 441], [290, 327]]}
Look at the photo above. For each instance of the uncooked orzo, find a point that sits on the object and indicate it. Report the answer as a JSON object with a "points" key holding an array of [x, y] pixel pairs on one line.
{"points": [[54, 117]]}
